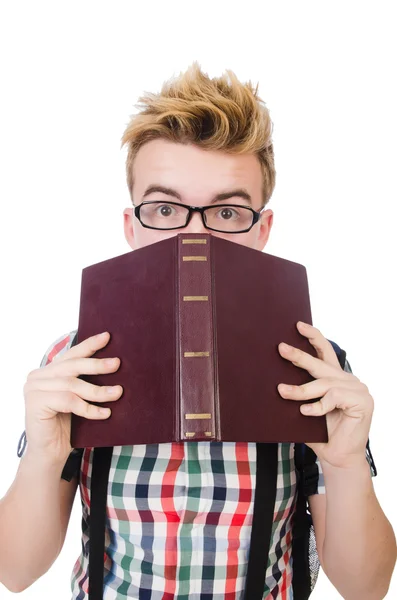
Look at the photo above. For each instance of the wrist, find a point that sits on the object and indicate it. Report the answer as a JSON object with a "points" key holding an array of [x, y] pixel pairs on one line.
{"points": [[41, 459], [350, 463], [353, 473]]}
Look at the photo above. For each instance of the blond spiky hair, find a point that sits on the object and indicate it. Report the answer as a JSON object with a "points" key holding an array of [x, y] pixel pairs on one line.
{"points": [[214, 114]]}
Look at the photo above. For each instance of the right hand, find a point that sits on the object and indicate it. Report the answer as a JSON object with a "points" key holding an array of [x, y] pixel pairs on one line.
{"points": [[53, 392]]}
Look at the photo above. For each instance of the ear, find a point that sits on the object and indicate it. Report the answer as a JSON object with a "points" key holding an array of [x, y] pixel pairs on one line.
{"points": [[266, 223], [129, 227]]}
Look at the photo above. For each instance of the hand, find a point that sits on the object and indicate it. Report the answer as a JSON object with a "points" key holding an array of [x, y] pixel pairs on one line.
{"points": [[53, 392], [345, 401]]}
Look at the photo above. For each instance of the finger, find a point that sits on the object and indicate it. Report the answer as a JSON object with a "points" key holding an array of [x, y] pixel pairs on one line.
{"points": [[315, 366], [83, 389], [322, 346], [337, 398], [315, 389], [51, 403], [85, 348], [73, 367]]}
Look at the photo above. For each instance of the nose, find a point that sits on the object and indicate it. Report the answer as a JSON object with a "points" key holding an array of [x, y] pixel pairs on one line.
{"points": [[196, 225]]}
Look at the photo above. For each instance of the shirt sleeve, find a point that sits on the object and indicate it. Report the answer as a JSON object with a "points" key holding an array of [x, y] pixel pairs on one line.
{"points": [[368, 454], [56, 349]]}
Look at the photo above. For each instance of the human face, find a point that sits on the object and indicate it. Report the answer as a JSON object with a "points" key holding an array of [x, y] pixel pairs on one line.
{"points": [[196, 176]]}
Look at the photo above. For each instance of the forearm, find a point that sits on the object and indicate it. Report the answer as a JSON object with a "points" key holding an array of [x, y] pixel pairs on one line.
{"points": [[30, 523], [359, 550]]}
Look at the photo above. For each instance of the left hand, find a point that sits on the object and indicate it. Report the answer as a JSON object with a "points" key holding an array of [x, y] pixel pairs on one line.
{"points": [[345, 401]]}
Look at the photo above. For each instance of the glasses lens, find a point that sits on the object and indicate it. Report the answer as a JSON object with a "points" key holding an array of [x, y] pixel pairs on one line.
{"points": [[230, 219], [163, 215]]}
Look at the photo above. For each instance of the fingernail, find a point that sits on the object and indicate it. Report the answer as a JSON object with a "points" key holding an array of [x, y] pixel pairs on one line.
{"points": [[285, 388], [284, 346], [109, 362], [306, 408]]}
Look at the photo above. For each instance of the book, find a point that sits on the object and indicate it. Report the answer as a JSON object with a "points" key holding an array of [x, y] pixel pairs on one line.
{"points": [[196, 321]]}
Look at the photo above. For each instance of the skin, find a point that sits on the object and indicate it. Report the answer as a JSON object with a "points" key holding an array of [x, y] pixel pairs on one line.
{"points": [[197, 175], [350, 510]]}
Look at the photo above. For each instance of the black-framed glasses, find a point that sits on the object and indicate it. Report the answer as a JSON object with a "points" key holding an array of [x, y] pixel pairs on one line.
{"points": [[225, 218]]}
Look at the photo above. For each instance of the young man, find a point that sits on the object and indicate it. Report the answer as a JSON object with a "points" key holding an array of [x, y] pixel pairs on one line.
{"points": [[179, 514]]}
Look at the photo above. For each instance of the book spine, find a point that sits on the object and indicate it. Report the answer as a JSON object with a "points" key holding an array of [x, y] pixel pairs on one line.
{"points": [[198, 414]]}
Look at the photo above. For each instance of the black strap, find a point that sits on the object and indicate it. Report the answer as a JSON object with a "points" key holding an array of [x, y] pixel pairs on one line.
{"points": [[75, 339], [73, 464], [102, 458], [301, 581], [307, 481], [262, 520]]}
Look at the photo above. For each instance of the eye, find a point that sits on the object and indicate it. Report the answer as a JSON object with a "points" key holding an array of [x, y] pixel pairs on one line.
{"points": [[226, 213], [165, 210]]}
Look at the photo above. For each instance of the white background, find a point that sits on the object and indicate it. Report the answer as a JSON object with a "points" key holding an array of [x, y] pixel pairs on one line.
{"points": [[71, 73]]}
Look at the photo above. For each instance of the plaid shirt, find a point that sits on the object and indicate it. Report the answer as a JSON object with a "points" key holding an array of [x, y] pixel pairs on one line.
{"points": [[179, 519]]}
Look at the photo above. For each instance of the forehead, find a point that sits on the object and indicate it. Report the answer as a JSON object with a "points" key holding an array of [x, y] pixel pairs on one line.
{"points": [[193, 171]]}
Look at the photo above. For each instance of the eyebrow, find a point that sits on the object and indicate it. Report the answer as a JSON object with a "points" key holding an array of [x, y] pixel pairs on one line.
{"points": [[240, 192]]}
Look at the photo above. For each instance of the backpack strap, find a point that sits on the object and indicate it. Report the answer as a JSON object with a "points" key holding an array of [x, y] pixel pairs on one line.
{"points": [[307, 481], [305, 458], [101, 461], [341, 354], [342, 361], [102, 458], [301, 578], [262, 520]]}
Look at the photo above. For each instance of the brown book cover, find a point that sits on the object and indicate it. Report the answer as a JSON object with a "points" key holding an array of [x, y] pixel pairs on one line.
{"points": [[196, 321]]}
